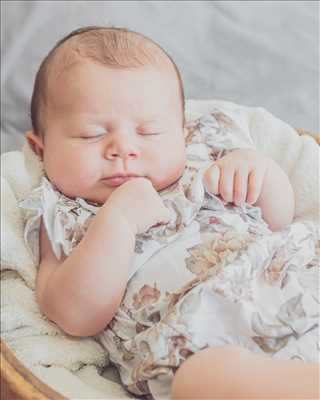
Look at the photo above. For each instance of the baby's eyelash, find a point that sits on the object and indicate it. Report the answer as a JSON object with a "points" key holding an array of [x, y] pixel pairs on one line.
{"points": [[91, 137], [99, 136], [149, 133]]}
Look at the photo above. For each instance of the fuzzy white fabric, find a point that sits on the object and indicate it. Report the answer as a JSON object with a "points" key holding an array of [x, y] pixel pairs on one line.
{"points": [[75, 363]]}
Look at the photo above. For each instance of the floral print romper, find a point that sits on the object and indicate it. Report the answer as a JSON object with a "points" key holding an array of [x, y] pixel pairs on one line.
{"points": [[215, 275]]}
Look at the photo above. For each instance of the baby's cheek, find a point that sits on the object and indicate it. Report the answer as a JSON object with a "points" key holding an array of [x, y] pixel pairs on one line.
{"points": [[71, 174], [168, 170], [73, 184]]}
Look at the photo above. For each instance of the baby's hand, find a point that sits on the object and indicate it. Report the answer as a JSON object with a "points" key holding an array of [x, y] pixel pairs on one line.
{"points": [[140, 204], [238, 177]]}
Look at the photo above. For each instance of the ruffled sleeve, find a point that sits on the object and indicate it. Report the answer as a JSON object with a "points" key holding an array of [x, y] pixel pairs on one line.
{"points": [[66, 220]]}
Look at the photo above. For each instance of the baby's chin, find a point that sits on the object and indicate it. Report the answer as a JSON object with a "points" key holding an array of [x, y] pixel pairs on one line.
{"points": [[97, 199]]}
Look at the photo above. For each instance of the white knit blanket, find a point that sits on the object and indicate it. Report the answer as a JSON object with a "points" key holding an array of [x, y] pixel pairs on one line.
{"points": [[79, 361]]}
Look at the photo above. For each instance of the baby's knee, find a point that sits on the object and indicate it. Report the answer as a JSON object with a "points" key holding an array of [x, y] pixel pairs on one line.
{"points": [[208, 373]]}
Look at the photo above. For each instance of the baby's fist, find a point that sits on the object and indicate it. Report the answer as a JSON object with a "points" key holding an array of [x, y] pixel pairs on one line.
{"points": [[238, 177], [140, 204]]}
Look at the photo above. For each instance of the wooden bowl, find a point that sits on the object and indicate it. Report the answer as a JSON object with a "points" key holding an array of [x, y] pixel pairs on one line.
{"points": [[18, 383]]}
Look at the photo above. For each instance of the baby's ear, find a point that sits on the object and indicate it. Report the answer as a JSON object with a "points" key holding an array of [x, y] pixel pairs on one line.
{"points": [[35, 142]]}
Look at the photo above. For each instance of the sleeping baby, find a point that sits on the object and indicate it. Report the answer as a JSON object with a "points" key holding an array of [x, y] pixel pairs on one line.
{"points": [[170, 242]]}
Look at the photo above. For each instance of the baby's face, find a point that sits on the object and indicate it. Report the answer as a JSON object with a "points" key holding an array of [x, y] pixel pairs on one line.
{"points": [[103, 122]]}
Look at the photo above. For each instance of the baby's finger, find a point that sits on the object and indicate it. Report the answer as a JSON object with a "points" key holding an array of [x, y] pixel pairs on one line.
{"points": [[240, 186], [255, 181], [211, 179], [226, 184]]}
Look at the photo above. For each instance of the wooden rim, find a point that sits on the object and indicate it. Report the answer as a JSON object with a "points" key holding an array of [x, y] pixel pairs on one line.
{"points": [[316, 136], [21, 380]]}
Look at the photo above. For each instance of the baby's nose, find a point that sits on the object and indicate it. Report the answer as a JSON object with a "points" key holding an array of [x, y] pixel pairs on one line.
{"points": [[122, 147]]}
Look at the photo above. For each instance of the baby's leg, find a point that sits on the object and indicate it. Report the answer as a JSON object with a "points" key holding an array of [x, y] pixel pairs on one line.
{"points": [[232, 372]]}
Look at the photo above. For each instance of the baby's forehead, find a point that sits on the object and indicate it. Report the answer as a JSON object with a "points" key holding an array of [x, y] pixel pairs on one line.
{"points": [[115, 50], [130, 51]]}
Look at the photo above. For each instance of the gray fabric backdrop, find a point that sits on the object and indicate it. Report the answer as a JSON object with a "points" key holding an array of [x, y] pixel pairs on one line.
{"points": [[257, 53]]}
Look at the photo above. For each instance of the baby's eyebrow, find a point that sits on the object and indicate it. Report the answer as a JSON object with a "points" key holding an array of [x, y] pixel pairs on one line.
{"points": [[91, 128]]}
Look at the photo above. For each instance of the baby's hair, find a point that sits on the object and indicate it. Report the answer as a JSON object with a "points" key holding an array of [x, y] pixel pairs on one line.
{"points": [[109, 46]]}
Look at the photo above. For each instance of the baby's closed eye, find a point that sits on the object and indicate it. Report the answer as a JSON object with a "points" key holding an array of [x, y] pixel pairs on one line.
{"points": [[150, 133], [88, 137]]}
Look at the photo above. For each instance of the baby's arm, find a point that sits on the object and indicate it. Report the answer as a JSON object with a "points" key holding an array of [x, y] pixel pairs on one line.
{"points": [[83, 292]]}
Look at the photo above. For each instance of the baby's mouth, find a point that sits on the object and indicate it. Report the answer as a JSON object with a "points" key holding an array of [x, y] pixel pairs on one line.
{"points": [[117, 181]]}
